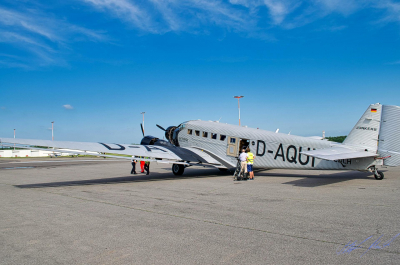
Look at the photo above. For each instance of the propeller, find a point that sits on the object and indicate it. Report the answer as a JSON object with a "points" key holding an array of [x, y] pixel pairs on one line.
{"points": [[141, 126], [170, 134], [160, 127]]}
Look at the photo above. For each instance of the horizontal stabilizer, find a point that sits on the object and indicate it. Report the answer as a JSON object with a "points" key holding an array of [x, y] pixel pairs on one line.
{"points": [[337, 153]]}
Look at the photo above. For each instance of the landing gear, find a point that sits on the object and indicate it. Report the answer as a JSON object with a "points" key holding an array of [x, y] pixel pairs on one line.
{"points": [[378, 175], [239, 174], [178, 169]]}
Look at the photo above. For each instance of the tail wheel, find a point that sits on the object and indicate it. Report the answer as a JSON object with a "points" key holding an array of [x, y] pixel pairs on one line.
{"points": [[379, 175], [178, 169]]}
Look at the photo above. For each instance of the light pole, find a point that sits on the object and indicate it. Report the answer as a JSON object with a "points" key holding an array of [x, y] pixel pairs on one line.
{"points": [[239, 97], [14, 139], [143, 119], [52, 130]]}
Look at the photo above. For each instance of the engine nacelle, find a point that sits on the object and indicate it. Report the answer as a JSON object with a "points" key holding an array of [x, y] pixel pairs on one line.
{"points": [[151, 140], [148, 140]]}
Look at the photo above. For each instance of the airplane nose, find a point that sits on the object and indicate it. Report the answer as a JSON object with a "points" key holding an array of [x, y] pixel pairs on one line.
{"points": [[171, 134]]}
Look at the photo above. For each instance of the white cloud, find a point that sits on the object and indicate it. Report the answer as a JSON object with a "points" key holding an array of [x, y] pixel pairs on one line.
{"points": [[174, 15], [46, 39], [42, 38], [243, 16], [67, 106], [216, 12], [13, 37], [9, 60], [43, 25], [279, 9], [11, 18], [344, 7], [125, 10], [392, 10]]}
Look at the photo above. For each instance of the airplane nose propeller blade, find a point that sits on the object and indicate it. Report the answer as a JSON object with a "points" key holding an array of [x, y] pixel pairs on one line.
{"points": [[141, 127], [160, 127]]}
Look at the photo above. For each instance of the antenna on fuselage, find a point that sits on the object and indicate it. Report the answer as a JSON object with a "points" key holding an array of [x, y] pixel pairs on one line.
{"points": [[277, 130]]}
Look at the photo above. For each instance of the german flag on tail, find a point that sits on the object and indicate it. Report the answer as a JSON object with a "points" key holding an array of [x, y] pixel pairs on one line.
{"points": [[373, 110]]}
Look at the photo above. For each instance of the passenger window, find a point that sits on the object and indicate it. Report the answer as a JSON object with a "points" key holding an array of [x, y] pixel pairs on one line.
{"points": [[222, 137], [190, 131], [205, 134], [213, 136], [233, 140], [197, 132]]}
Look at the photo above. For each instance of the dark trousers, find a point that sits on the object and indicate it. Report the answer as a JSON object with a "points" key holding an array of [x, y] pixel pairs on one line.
{"points": [[133, 171], [147, 168]]}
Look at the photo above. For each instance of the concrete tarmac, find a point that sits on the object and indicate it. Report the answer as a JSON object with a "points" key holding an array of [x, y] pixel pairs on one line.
{"points": [[93, 211]]}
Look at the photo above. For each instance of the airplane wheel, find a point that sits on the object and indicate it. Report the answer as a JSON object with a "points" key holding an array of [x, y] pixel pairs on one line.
{"points": [[379, 175], [178, 169]]}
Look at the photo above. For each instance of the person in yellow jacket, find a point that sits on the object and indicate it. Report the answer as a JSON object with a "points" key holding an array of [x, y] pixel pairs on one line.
{"points": [[250, 161]]}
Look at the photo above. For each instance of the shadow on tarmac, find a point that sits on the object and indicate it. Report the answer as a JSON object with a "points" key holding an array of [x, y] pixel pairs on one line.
{"points": [[140, 177], [321, 179], [303, 181]]}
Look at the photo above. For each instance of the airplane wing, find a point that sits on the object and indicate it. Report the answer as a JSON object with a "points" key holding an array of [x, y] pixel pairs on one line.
{"points": [[338, 152], [161, 154]]}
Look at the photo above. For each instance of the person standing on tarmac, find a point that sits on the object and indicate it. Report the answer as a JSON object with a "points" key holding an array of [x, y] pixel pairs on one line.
{"points": [[133, 162], [147, 166], [243, 162], [250, 161], [142, 165]]}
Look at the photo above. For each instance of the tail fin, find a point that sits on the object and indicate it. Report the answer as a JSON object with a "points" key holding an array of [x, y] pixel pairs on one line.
{"points": [[378, 131], [389, 136], [366, 132]]}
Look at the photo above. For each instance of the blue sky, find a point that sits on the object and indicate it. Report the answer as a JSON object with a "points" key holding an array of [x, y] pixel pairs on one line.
{"points": [[93, 65]]}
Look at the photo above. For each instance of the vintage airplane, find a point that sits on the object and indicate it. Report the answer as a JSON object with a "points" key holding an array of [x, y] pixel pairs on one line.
{"points": [[373, 142]]}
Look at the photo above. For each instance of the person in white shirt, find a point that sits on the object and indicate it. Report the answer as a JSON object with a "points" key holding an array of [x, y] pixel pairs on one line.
{"points": [[243, 161]]}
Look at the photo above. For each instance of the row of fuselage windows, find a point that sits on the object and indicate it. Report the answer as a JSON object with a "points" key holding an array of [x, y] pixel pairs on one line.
{"points": [[205, 134]]}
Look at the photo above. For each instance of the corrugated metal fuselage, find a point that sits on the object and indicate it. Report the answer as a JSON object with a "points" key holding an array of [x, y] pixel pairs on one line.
{"points": [[272, 150]]}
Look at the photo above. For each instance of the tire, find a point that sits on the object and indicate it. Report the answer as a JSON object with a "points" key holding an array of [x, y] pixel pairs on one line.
{"points": [[178, 169], [379, 175]]}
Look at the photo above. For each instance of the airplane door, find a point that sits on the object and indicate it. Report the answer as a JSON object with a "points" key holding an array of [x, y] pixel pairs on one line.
{"points": [[232, 146]]}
